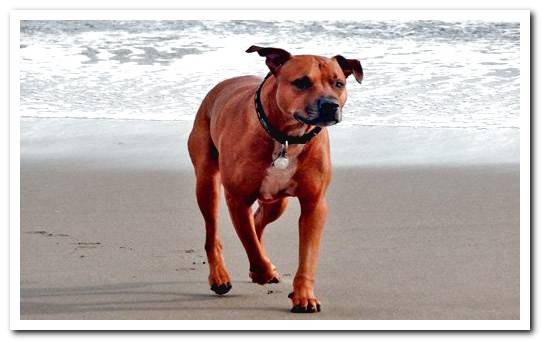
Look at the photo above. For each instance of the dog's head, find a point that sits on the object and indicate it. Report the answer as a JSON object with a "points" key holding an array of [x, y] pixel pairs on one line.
{"points": [[312, 89]]}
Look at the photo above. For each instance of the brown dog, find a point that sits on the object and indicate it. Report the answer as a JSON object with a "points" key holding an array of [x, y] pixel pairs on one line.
{"points": [[264, 141]]}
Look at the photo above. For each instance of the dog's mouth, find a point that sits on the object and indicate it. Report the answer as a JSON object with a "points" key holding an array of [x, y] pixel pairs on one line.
{"points": [[315, 119]]}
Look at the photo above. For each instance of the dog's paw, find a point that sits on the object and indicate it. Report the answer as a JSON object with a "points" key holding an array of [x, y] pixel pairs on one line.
{"points": [[265, 276], [304, 304], [221, 289], [219, 280]]}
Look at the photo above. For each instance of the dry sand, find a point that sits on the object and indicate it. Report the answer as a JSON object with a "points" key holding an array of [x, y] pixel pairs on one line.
{"points": [[102, 238]]}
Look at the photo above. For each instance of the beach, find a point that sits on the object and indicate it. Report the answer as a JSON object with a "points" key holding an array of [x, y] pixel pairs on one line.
{"points": [[423, 224], [423, 206]]}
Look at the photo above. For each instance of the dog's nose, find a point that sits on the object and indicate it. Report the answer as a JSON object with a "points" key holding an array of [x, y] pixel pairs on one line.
{"points": [[327, 107]]}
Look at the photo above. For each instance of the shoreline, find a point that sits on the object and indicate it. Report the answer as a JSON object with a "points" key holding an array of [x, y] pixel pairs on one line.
{"points": [[162, 144]]}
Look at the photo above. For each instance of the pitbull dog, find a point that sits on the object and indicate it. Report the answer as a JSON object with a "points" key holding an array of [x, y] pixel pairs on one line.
{"points": [[267, 141]]}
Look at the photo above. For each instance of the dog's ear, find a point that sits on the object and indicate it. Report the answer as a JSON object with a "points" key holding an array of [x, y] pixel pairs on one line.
{"points": [[274, 57], [350, 66]]}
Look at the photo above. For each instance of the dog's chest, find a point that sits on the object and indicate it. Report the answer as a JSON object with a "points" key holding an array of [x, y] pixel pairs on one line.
{"points": [[277, 182]]}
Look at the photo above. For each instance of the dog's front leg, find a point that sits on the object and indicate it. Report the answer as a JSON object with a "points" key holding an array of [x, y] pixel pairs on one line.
{"points": [[313, 214], [261, 269]]}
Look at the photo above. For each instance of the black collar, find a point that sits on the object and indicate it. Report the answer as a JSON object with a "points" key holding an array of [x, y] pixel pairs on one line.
{"points": [[273, 132]]}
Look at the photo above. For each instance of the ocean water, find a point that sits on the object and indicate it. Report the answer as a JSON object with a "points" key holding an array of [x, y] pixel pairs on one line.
{"points": [[417, 73]]}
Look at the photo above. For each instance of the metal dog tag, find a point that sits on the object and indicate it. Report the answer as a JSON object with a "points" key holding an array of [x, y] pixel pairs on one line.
{"points": [[281, 162]]}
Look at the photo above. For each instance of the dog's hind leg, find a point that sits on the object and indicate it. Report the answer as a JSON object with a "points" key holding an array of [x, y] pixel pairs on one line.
{"points": [[267, 213], [205, 160]]}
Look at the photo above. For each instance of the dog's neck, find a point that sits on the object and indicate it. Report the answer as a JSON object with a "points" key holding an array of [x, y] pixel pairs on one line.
{"points": [[282, 121]]}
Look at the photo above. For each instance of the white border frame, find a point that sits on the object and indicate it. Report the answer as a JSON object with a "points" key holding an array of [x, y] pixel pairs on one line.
{"points": [[522, 16]]}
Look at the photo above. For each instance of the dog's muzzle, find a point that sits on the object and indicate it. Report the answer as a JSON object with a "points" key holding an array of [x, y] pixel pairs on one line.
{"points": [[327, 113]]}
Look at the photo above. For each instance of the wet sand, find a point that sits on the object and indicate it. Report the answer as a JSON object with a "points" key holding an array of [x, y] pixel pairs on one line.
{"points": [[107, 233]]}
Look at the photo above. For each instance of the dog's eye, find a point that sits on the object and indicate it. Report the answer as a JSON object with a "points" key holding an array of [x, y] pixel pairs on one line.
{"points": [[302, 83], [339, 84]]}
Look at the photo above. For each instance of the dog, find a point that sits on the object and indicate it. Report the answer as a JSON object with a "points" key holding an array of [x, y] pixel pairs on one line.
{"points": [[266, 140]]}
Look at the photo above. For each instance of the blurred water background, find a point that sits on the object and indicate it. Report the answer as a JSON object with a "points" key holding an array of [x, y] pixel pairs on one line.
{"points": [[417, 73]]}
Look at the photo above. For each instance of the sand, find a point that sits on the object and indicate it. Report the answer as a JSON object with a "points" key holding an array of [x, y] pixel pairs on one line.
{"points": [[110, 230]]}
